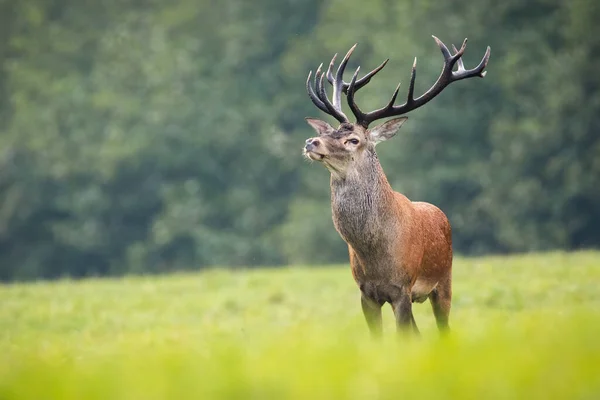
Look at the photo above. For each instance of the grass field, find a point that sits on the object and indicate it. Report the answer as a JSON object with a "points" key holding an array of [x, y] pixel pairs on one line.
{"points": [[522, 327]]}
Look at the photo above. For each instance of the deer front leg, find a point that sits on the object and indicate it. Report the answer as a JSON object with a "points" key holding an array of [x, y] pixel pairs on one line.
{"points": [[372, 313], [402, 306]]}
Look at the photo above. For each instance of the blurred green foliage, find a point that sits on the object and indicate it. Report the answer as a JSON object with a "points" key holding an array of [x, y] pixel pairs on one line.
{"points": [[145, 137], [522, 328]]}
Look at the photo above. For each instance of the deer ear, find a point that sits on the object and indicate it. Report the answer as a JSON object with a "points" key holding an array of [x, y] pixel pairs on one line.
{"points": [[321, 127], [387, 130]]}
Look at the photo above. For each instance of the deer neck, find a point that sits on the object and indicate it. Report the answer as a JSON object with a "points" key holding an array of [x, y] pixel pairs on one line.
{"points": [[360, 201]]}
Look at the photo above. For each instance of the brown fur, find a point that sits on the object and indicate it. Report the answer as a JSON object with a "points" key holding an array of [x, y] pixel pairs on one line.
{"points": [[400, 251]]}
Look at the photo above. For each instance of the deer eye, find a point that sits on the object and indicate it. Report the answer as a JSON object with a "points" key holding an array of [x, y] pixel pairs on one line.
{"points": [[353, 141]]}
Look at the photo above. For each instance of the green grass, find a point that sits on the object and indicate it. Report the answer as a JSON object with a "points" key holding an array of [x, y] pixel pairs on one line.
{"points": [[523, 327]]}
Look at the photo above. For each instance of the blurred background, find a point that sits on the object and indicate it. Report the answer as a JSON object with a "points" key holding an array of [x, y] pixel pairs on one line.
{"points": [[151, 136]]}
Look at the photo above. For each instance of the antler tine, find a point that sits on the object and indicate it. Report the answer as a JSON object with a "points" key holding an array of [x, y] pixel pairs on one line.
{"points": [[463, 47], [350, 97], [319, 84], [329, 73], [330, 77], [443, 48], [484, 61], [311, 93], [360, 82], [411, 86], [367, 78], [393, 99], [331, 110], [365, 119], [461, 65], [338, 83]]}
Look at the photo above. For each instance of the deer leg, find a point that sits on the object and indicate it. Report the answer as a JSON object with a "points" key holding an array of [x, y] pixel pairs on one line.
{"points": [[440, 299], [414, 324], [372, 313], [402, 306], [412, 321]]}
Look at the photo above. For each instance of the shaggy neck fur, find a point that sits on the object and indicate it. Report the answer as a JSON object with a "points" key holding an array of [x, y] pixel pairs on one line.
{"points": [[360, 200]]}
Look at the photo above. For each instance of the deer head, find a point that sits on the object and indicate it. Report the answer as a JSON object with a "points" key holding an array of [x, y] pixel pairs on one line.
{"points": [[339, 149]]}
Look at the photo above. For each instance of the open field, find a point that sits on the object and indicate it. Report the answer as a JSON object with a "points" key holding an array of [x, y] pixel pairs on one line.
{"points": [[523, 327]]}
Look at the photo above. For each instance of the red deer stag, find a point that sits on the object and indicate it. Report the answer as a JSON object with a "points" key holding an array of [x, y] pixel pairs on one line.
{"points": [[400, 251]]}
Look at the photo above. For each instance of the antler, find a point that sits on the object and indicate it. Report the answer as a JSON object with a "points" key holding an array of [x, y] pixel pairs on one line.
{"points": [[320, 99], [446, 77]]}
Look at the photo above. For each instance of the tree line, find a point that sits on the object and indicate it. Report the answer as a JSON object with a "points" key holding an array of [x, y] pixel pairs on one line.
{"points": [[144, 137]]}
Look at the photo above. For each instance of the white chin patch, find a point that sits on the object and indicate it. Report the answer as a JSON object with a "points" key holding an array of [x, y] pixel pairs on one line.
{"points": [[315, 156]]}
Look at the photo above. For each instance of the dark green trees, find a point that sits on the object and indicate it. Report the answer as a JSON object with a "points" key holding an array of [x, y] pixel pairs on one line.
{"points": [[150, 137]]}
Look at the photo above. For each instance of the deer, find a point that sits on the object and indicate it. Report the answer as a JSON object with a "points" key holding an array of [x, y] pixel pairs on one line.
{"points": [[400, 250]]}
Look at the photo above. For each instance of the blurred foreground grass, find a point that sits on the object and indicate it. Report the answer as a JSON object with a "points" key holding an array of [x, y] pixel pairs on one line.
{"points": [[523, 327]]}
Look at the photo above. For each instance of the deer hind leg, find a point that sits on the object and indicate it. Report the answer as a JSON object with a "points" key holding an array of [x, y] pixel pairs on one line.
{"points": [[372, 313], [402, 306], [440, 299]]}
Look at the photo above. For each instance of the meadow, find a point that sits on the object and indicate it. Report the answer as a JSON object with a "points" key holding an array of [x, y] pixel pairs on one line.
{"points": [[522, 327]]}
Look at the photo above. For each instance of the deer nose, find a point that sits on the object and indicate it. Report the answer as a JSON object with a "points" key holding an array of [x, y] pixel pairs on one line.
{"points": [[312, 143]]}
